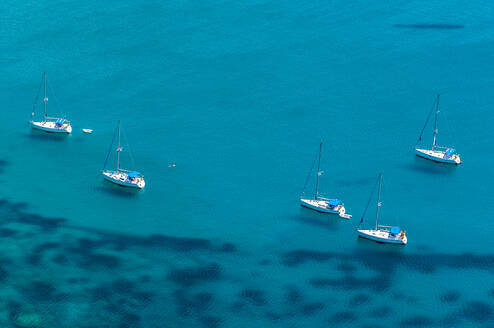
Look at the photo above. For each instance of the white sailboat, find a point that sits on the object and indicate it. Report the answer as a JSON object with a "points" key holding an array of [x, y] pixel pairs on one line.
{"points": [[437, 153], [322, 204], [119, 176], [381, 233], [50, 124]]}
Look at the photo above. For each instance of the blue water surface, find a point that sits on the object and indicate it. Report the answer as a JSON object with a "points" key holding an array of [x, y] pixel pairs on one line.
{"points": [[238, 95]]}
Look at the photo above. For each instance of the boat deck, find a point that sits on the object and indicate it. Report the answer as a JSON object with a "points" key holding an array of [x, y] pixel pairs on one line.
{"points": [[323, 206], [384, 236], [51, 126], [438, 156], [122, 178]]}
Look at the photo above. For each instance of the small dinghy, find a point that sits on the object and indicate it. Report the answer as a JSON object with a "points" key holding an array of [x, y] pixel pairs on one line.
{"points": [[119, 176], [49, 124], [381, 233], [322, 204], [88, 131], [447, 155]]}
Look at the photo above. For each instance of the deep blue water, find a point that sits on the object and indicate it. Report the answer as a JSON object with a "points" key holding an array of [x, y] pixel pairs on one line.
{"points": [[238, 95]]}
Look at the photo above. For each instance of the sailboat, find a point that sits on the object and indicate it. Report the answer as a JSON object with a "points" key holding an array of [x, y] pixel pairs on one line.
{"points": [[382, 233], [119, 176], [437, 153], [322, 204], [50, 124]]}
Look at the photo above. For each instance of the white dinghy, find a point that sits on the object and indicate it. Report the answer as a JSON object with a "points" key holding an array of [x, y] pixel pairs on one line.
{"points": [[50, 124], [381, 233], [322, 204], [437, 153], [119, 176]]}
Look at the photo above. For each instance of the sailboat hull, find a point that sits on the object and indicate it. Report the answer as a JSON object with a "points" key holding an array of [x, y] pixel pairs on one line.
{"points": [[438, 156], [51, 127], [122, 179], [323, 207], [383, 236]]}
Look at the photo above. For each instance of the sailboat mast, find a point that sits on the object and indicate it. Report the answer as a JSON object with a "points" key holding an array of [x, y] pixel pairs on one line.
{"points": [[435, 123], [379, 199], [45, 99], [118, 147], [318, 172]]}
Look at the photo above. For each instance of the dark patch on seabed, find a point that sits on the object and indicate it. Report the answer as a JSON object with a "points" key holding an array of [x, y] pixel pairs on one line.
{"points": [[343, 316], [211, 321], [403, 297], [450, 296], [417, 321], [187, 305], [3, 164], [359, 299], [312, 308], [253, 296], [293, 295], [377, 283], [195, 275], [112, 278], [430, 26], [381, 312], [478, 311], [55, 274], [386, 261]]}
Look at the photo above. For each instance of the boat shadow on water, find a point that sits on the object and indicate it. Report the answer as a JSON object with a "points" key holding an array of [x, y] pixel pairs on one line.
{"points": [[422, 165], [45, 136], [378, 245], [321, 220], [3, 164], [117, 190]]}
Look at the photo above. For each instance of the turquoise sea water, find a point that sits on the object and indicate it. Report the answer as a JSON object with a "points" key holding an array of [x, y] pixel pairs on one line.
{"points": [[239, 95]]}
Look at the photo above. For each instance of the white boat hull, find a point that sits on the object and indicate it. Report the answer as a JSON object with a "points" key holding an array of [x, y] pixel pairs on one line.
{"points": [[122, 179], [51, 127], [323, 207], [438, 156], [383, 236]]}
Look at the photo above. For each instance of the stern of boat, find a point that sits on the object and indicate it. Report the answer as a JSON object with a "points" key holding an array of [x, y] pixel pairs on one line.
{"points": [[342, 213], [404, 240]]}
